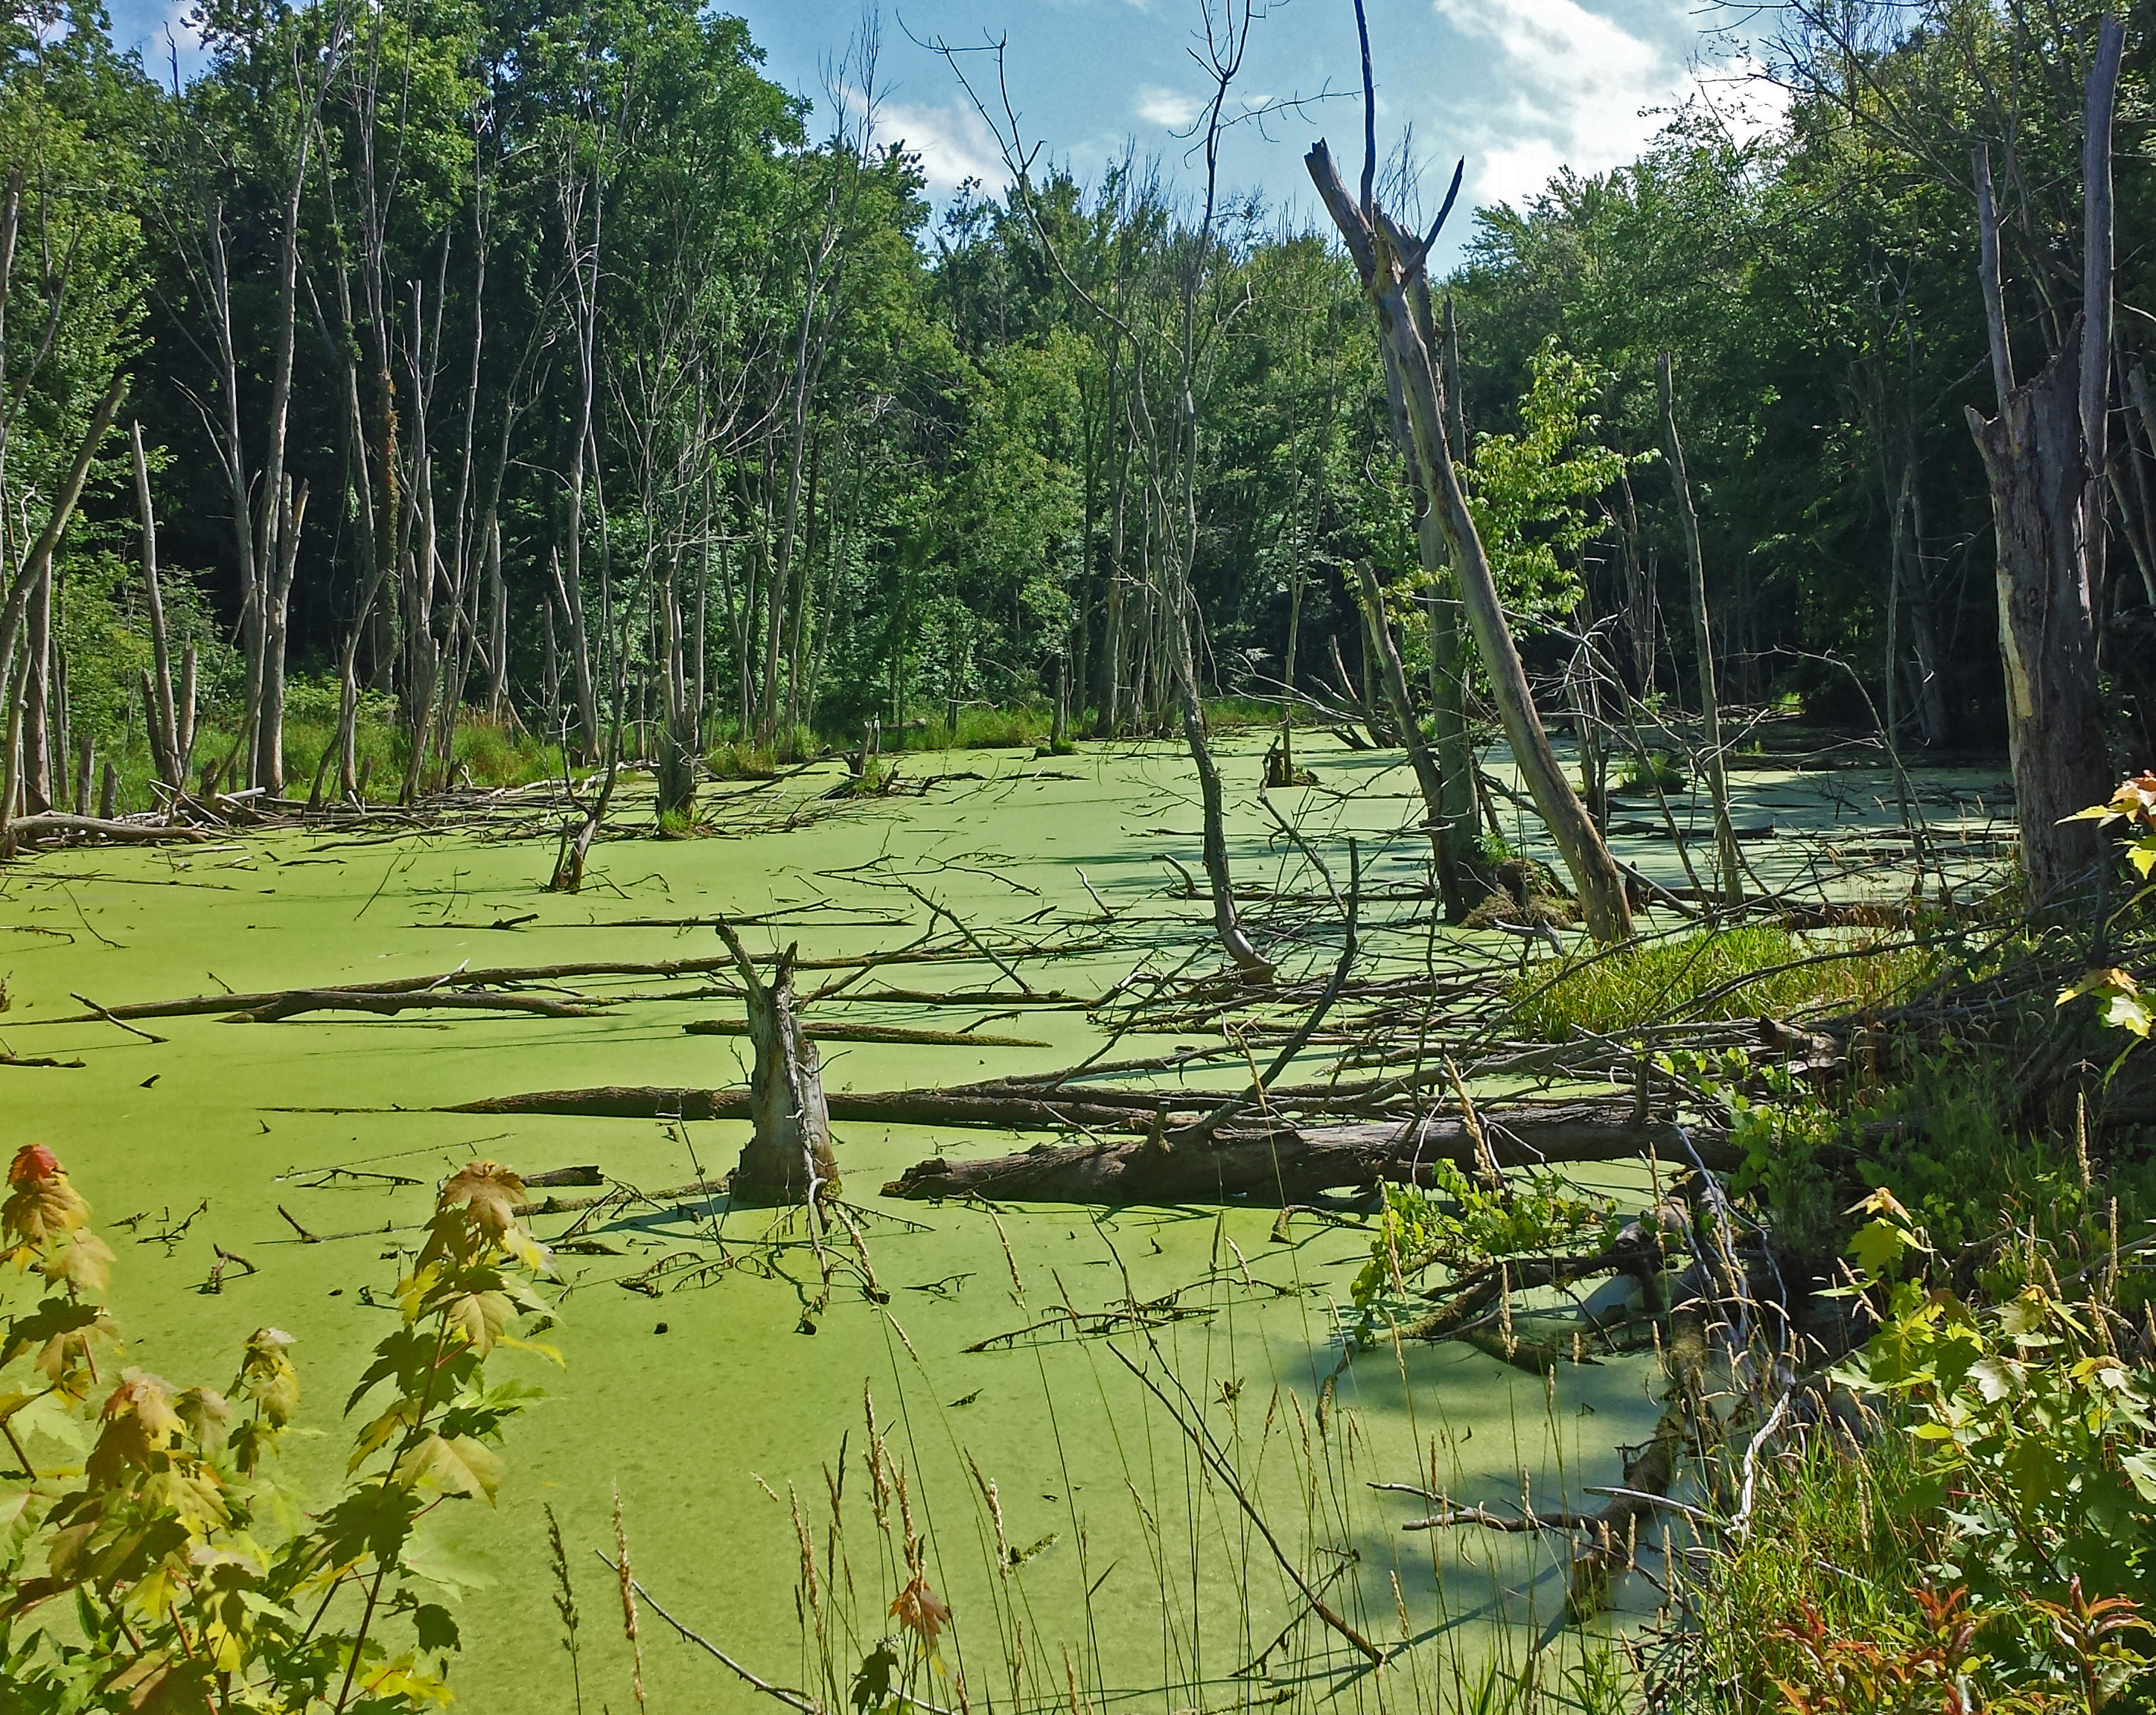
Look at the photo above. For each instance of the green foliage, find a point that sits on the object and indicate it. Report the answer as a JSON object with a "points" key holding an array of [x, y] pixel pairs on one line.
{"points": [[164, 1568], [1762, 1607], [1658, 769], [737, 760], [1993, 1534], [2034, 1440], [1735, 973], [1529, 491], [2124, 1005], [1459, 1223], [1020, 728]]}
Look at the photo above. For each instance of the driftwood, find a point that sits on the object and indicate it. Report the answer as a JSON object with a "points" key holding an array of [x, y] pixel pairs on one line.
{"points": [[871, 1033], [1015, 1111], [1290, 1164], [502, 975]]}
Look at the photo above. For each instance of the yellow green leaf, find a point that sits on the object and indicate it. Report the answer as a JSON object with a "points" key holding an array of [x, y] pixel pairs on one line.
{"points": [[458, 1466]]}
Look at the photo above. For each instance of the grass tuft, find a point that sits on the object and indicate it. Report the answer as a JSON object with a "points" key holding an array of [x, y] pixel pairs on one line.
{"points": [[1701, 977]]}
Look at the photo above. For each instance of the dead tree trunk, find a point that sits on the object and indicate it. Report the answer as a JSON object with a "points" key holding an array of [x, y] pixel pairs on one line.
{"points": [[161, 712], [788, 1157], [676, 772], [1448, 660], [1710, 708], [1388, 262], [36, 567], [2044, 454]]}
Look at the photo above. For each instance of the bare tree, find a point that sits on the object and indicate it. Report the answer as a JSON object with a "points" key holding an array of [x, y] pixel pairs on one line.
{"points": [[1389, 261], [2046, 456], [170, 718]]}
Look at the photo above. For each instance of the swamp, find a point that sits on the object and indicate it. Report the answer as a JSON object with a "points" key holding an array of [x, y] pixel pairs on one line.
{"points": [[1036, 907], [1249, 926]]}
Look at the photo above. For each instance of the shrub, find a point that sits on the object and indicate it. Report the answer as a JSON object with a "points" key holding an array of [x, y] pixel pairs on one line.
{"points": [[166, 1571]]}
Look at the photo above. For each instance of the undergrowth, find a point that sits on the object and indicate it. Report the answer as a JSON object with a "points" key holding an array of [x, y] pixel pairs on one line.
{"points": [[1743, 972], [488, 753]]}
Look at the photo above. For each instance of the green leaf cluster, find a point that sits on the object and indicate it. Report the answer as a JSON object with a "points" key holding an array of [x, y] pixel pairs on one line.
{"points": [[2036, 1439], [1459, 1223], [151, 1559]]}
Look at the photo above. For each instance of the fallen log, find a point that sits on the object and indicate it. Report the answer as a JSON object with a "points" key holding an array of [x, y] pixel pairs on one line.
{"points": [[586, 1175], [871, 1033], [1656, 831], [1016, 1112], [191, 1004], [296, 1001], [1293, 1164], [32, 830]]}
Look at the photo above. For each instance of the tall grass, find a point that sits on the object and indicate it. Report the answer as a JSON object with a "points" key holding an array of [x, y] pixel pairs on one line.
{"points": [[1736, 973], [1841, 1544], [487, 754], [982, 729]]}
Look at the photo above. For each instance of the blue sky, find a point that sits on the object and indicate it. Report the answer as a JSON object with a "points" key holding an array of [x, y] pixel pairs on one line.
{"points": [[1519, 87]]}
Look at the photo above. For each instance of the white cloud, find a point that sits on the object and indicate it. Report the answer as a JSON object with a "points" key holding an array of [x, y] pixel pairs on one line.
{"points": [[1169, 108], [1576, 84], [954, 142]]}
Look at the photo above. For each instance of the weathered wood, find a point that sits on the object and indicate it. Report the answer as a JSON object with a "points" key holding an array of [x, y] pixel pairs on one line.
{"points": [[871, 1033], [1294, 1164], [586, 1175], [505, 974], [789, 1154], [1710, 706], [1013, 1110], [32, 830], [2033, 455], [297, 1001], [1421, 758], [2045, 455]]}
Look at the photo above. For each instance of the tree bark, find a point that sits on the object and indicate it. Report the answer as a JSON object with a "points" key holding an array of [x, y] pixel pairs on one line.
{"points": [[38, 695], [163, 718], [1295, 1164], [2032, 454], [2044, 456], [788, 1157], [1428, 779]]}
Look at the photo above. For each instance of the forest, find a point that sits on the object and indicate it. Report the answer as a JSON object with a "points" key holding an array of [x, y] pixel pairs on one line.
{"points": [[1618, 776]]}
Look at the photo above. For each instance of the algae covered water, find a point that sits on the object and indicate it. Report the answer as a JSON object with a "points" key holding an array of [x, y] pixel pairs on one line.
{"points": [[1127, 1439]]}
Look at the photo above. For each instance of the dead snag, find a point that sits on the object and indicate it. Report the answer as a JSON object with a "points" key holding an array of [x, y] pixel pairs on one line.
{"points": [[788, 1157], [1389, 262], [2045, 455]]}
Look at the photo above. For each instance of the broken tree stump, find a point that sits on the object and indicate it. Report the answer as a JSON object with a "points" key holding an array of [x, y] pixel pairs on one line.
{"points": [[788, 1157]]}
